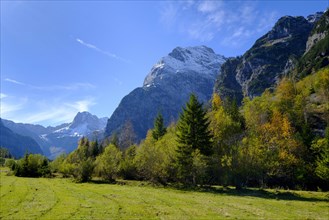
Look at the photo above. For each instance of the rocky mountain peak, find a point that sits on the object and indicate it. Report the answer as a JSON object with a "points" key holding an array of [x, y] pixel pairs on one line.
{"points": [[84, 117], [314, 17], [191, 53], [200, 59], [287, 27]]}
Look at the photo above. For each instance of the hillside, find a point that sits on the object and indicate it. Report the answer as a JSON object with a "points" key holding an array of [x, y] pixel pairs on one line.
{"points": [[17, 144]]}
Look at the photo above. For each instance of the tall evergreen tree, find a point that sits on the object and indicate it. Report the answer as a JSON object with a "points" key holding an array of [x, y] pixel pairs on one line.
{"points": [[159, 128], [192, 134]]}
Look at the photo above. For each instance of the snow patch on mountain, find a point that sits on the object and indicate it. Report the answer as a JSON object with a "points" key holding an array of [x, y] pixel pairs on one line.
{"points": [[84, 124], [199, 59]]}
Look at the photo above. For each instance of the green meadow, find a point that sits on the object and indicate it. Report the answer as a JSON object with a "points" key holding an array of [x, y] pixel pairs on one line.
{"points": [[59, 198]]}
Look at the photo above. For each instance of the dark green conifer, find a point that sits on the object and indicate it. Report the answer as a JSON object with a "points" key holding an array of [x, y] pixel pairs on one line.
{"points": [[192, 134], [159, 128], [193, 127]]}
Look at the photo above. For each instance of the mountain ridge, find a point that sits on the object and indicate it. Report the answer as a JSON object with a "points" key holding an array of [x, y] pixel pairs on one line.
{"points": [[17, 144], [272, 56], [62, 138]]}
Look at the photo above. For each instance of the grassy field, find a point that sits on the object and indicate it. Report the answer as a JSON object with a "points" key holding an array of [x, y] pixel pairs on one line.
{"points": [[32, 198]]}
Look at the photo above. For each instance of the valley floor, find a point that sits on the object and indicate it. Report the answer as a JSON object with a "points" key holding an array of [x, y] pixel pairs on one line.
{"points": [[57, 198]]}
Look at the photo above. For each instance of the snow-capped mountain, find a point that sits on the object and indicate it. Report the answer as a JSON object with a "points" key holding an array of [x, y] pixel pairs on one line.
{"points": [[63, 138], [83, 124], [191, 59], [167, 88]]}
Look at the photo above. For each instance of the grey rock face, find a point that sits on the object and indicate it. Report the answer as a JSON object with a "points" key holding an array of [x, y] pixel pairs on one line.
{"points": [[315, 17], [272, 56], [313, 39], [167, 88], [316, 55], [319, 32]]}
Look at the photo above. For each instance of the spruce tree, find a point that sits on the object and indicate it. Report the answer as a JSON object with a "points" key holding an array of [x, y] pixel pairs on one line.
{"points": [[159, 128], [192, 134]]}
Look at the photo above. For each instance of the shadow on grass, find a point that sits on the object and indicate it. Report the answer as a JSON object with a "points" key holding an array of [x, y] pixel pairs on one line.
{"points": [[99, 181], [251, 192], [259, 193]]}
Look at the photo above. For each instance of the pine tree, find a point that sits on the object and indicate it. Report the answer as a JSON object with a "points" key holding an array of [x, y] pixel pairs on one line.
{"points": [[159, 128], [192, 134]]}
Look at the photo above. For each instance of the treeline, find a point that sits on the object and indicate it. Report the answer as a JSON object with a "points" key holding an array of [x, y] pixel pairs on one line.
{"points": [[275, 140]]}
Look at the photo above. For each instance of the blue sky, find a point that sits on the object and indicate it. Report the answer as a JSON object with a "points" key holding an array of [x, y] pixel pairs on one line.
{"points": [[62, 57]]}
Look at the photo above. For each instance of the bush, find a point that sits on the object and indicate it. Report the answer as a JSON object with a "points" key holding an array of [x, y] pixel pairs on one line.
{"points": [[84, 171], [128, 166], [11, 164], [108, 163], [2, 161], [32, 165]]}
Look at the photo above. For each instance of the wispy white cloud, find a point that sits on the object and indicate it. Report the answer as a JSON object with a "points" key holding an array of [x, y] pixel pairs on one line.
{"points": [[94, 47], [232, 22], [82, 105], [14, 81], [72, 86], [209, 6], [252, 23], [89, 45], [42, 110], [201, 32], [9, 107], [45, 112], [169, 14], [53, 115], [2, 95], [187, 4]]}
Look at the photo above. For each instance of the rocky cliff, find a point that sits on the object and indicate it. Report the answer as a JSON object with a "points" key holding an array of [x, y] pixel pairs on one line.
{"points": [[272, 56], [316, 54]]}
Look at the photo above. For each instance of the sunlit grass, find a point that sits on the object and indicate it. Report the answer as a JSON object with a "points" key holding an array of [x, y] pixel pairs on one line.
{"points": [[57, 198]]}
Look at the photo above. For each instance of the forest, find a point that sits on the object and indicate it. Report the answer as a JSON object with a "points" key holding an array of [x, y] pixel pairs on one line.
{"points": [[277, 140]]}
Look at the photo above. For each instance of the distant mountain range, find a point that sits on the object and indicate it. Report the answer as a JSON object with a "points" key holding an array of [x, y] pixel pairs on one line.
{"points": [[53, 141], [296, 46]]}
